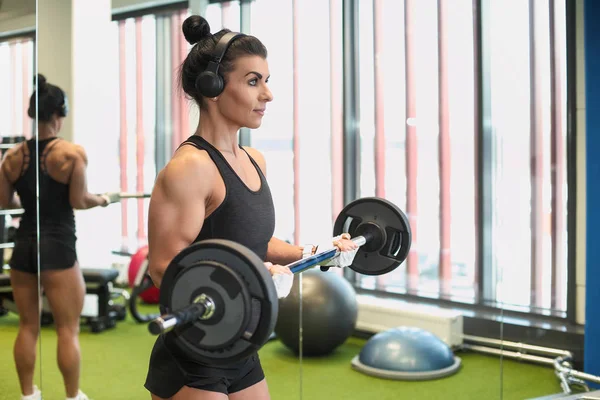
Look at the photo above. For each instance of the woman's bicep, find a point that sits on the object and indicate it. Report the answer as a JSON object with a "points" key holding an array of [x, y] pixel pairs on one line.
{"points": [[175, 218], [78, 183], [6, 189], [11, 165]]}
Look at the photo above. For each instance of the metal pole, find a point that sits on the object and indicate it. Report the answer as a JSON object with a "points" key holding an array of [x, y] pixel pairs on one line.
{"points": [[245, 23], [351, 107]]}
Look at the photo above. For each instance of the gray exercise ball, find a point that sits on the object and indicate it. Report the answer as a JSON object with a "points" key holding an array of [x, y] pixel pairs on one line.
{"points": [[329, 313], [406, 353]]}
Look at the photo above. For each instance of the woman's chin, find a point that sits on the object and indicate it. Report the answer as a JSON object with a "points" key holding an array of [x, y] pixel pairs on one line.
{"points": [[254, 124]]}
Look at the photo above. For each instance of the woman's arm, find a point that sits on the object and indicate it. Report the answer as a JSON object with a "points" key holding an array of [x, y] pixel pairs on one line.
{"points": [[79, 197], [177, 209], [8, 197], [281, 252]]}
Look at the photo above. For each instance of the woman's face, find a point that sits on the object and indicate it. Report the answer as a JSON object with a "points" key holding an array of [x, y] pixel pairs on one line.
{"points": [[246, 94]]}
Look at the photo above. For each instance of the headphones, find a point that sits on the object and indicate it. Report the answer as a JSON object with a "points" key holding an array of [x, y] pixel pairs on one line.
{"points": [[210, 83], [63, 109]]}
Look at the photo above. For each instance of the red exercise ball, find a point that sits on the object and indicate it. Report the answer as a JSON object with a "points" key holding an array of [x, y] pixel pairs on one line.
{"points": [[139, 260]]}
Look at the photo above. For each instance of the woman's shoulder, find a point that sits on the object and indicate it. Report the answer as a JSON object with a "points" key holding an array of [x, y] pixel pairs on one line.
{"points": [[258, 157], [64, 149], [189, 166]]}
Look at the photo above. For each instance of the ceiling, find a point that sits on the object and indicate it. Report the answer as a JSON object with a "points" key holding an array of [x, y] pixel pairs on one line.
{"points": [[16, 8]]}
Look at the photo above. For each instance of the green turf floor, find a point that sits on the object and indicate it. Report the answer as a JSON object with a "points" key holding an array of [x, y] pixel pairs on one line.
{"points": [[115, 362]]}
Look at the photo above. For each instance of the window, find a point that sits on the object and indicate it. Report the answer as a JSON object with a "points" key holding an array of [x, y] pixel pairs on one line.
{"points": [[450, 130], [154, 115], [16, 79], [528, 138], [421, 137], [417, 113], [301, 135], [153, 119]]}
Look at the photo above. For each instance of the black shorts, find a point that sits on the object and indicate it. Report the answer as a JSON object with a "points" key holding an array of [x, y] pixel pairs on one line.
{"points": [[56, 252], [169, 372]]}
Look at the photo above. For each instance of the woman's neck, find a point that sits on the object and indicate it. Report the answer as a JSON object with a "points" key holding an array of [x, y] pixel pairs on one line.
{"points": [[46, 131], [219, 133]]}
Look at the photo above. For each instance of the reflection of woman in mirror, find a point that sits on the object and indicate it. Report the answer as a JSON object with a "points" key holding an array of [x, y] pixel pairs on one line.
{"points": [[62, 187], [215, 188]]}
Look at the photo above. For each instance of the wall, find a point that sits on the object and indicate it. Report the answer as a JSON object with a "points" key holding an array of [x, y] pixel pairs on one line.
{"points": [[27, 22], [120, 5], [16, 16], [54, 51], [20, 23]]}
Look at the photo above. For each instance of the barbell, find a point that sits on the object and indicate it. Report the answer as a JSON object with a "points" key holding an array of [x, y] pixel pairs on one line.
{"points": [[219, 304], [134, 195]]}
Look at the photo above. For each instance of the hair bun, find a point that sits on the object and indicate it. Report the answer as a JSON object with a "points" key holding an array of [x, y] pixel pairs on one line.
{"points": [[195, 28], [41, 82]]}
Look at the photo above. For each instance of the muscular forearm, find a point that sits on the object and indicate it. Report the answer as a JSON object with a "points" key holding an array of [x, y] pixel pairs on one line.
{"points": [[90, 201], [281, 252]]}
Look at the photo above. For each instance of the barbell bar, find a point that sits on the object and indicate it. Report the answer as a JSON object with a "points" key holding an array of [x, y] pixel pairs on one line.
{"points": [[203, 306], [218, 302], [134, 195]]}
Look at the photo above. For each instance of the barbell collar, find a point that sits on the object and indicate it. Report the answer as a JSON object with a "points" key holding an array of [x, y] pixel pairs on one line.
{"points": [[202, 308]]}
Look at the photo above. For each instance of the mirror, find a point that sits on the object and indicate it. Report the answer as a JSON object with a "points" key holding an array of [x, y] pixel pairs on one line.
{"points": [[19, 283], [118, 66], [78, 56]]}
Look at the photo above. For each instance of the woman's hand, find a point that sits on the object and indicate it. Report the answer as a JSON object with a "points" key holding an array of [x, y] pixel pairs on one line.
{"points": [[347, 248], [277, 269], [344, 243], [282, 278]]}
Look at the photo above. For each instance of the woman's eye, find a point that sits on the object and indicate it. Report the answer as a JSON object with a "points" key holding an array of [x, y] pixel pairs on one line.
{"points": [[253, 82]]}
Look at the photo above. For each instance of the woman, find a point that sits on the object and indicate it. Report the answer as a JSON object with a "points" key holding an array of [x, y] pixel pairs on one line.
{"points": [[62, 187], [214, 188]]}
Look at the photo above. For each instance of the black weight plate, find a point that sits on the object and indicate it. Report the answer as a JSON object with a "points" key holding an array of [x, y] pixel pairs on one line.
{"points": [[249, 269], [390, 219], [233, 307]]}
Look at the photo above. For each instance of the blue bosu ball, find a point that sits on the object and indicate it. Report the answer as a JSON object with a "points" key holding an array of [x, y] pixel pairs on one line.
{"points": [[406, 353]]}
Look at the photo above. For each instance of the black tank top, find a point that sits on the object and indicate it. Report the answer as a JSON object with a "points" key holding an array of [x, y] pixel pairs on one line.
{"points": [[56, 214], [245, 216]]}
